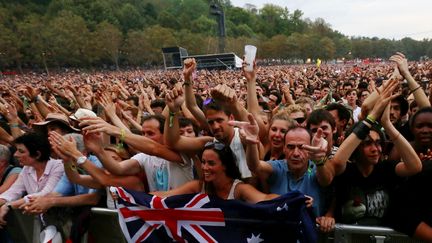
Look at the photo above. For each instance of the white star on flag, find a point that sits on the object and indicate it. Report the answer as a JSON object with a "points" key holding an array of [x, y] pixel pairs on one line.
{"points": [[255, 239], [285, 206]]}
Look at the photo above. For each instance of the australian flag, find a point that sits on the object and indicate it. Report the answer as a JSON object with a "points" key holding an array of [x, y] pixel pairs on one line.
{"points": [[202, 218]]}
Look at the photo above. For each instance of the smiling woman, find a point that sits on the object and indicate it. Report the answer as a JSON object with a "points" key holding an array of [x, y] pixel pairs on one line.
{"points": [[221, 178]]}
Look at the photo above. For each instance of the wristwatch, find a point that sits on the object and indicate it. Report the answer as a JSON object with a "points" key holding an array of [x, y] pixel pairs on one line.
{"points": [[81, 160]]}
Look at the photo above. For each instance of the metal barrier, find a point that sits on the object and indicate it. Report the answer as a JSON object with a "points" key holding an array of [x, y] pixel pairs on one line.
{"points": [[104, 227], [354, 233], [23, 228]]}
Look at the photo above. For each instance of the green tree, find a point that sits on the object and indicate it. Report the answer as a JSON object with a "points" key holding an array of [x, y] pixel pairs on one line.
{"points": [[168, 20], [155, 38], [67, 36], [193, 42], [327, 49], [204, 25], [129, 18], [9, 50], [362, 47], [276, 47], [108, 39], [134, 49], [33, 40], [271, 20]]}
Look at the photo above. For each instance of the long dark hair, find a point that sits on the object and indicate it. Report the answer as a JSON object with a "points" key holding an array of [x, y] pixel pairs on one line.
{"points": [[356, 154], [227, 158]]}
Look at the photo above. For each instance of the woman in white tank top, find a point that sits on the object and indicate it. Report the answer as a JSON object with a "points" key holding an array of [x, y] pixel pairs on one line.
{"points": [[220, 178]]}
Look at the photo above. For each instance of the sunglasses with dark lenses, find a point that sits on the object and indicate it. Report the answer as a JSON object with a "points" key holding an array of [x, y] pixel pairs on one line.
{"points": [[300, 120], [216, 145]]}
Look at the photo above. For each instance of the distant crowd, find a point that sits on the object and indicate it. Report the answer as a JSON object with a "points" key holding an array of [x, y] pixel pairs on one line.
{"points": [[355, 139]]}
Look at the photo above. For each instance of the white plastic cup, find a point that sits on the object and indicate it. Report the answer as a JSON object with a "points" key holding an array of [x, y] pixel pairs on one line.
{"points": [[250, 52]]}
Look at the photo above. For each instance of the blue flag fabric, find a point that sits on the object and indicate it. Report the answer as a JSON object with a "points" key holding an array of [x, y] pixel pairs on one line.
{"points": [[202, 218]]}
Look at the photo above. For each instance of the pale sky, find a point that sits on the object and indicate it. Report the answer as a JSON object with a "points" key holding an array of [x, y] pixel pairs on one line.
{"points": [[369, 18]]}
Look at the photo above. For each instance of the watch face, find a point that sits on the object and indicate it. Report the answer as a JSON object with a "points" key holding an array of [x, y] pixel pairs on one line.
{"points": [[81, 160]]}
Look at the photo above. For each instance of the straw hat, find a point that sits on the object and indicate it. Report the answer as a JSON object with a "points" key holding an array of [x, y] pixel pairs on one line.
{"points": [[56, 117]]}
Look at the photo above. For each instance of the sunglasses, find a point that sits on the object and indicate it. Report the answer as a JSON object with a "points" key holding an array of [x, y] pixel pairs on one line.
{"points": [[300, 120], [216, 145]]}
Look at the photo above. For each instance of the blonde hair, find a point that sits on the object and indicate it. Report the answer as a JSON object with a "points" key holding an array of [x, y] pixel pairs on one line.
{"points": [[282, 115], [295, 108], [121, 152]]}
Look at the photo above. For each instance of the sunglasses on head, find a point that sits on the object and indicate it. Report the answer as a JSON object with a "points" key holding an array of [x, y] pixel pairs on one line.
{"points": [[216, 145], [207, 101], [300, 120]]}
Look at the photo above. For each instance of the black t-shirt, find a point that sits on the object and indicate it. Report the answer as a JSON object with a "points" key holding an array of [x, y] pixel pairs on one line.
{"points": [[412, 202], [364, 200]]}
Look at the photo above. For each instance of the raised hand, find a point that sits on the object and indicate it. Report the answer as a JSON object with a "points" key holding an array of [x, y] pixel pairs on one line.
{"points": [[224, 94], [66, 147], [402, 63], [189, 68], [318, 148], [93, 142], [249, 75], [32, 93], [107, 104], [97, 125], [249, 131], [175, 99], [384, 98], [9, 111]]}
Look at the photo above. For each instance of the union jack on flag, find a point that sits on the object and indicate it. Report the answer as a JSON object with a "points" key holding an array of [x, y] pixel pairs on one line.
{"points": [[201, 218]]}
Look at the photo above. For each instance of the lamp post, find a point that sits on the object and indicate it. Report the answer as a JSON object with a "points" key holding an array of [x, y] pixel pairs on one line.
{"points": [[216, 9]]}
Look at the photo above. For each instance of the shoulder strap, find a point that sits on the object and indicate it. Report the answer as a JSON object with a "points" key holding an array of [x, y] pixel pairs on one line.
{"points": [[6, 174]]}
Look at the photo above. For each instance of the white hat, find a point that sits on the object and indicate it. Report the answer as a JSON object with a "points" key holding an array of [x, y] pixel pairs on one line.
{"points": [[50, 235], [82, 113]]}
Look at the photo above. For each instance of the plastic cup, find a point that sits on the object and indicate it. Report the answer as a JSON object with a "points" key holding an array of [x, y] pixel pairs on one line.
{"points": [[250, 52]]}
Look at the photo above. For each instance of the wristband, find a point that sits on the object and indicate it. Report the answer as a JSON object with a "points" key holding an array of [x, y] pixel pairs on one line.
{"points": [[122, 138], [320, 162], [371, 118], [361, 130], [186, 83], [414, 90], [14, 125], [171, 118]]}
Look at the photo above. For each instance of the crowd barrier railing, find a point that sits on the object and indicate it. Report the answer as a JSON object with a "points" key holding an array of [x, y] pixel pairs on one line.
{"points": [[104, 227], [345, 233]]}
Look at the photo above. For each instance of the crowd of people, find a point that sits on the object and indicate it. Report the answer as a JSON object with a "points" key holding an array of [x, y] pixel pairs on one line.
{"points": [[355, 139]]}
